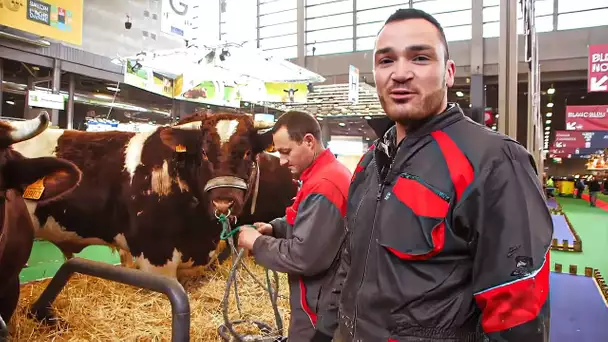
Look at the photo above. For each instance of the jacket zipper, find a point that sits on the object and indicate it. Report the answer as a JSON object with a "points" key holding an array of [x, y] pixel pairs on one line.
{"points": [[439, 193], [381, 183]]}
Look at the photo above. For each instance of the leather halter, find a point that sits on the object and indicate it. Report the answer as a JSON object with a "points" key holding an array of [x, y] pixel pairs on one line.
{"points": [[234, 182]]}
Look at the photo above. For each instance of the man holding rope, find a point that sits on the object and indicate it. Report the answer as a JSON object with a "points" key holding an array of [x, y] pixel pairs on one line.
{"points": [[449, 233], [305, 243]]}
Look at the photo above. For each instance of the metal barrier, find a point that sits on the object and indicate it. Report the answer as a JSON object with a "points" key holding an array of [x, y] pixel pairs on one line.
{"points": [[3, 330], [180, 306]]}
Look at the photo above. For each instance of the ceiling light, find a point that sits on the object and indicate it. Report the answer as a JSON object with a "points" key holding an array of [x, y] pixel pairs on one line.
{"points": [[459, 94], [318, 119], [103, 96], [367, 117], [548, 122], [112, 89], [10, 102], [547, 128], [547, 133], [549, 114], [497, 115], [341, 124], [551, 91], [550, 104]]}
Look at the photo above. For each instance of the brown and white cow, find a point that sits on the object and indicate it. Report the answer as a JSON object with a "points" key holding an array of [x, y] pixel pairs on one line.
{"points": [[16, 229], [156, 194]]}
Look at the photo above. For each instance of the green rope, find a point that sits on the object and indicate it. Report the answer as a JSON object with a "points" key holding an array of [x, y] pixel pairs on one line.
{"points": [[226, 232]]}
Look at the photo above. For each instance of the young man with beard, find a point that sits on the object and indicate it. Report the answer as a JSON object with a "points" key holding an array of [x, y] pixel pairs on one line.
{"points": [[306, 243], [449, 233]]}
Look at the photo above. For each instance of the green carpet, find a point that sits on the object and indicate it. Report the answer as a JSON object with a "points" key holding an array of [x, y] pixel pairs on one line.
{"points": [[46, 259], [592, 226]]}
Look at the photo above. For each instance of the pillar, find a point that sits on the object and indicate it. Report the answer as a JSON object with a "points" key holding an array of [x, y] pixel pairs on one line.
{"points": [[507, 74], [477, 90], [325, 132], [56, 84], [301, 9], [70, 109]]}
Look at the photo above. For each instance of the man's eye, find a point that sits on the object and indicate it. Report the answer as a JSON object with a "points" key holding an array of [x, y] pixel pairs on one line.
{"points": [[421, 58], [385, 60]]}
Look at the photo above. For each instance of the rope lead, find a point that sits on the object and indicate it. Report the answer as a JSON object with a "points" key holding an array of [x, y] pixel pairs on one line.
{"points": [[227, 328]]}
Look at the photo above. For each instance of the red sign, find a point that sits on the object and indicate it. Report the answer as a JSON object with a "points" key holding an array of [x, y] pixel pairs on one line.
{"points": [[587, 118], [569, 139], [597, 74]]}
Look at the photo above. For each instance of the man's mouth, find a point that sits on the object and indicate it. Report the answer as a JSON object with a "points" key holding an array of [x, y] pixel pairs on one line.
{"points": [[401, 94]]}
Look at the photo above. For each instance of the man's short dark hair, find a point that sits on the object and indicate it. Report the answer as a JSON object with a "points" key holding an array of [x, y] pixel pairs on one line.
{"points": [[413, 13], [298, 124]]}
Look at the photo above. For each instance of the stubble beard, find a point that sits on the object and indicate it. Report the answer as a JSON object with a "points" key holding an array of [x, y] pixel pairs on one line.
{"points": [[406, 113]]}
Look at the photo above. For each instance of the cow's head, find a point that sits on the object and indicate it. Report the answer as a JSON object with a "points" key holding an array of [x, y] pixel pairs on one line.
{"points": [[227, 145], [291, 93], [57, 176]]}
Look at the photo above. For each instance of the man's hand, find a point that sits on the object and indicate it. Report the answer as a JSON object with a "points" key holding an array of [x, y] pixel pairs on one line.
{"points": [[263, 228], [247, 237]]}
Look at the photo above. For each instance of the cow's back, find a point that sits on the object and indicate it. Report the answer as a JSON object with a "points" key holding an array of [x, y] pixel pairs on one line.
{"points": [[95, 212]]}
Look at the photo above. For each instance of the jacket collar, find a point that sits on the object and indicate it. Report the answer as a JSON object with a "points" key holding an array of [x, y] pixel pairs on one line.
{"points": [[388, 145], [323, 159]]}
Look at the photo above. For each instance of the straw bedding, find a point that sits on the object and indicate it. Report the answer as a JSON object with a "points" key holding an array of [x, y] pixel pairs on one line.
{"points": [[92, 309]]}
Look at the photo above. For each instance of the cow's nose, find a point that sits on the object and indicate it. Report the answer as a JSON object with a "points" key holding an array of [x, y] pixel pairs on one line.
{"points": [[222, 206]]}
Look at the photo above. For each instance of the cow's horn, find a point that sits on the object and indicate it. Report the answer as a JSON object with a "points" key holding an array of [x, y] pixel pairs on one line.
{"points": [[24, 130], [262, 124]]}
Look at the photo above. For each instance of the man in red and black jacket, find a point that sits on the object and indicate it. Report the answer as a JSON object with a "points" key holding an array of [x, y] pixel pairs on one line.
{"points": [[448, 231], [306, 243]]}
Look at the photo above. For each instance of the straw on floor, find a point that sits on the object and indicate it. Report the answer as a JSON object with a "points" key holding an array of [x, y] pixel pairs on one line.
{"points": [[92, 309]]}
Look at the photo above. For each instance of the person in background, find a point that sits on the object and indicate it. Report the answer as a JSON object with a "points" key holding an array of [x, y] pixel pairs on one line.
{"points": [[580, 187], [448, 230], [605, 190], [594, 188], [306, 243]]}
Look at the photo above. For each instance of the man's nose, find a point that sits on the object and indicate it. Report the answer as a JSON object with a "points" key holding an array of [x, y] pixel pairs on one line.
{"points": [[283, 161], [403, 71]]}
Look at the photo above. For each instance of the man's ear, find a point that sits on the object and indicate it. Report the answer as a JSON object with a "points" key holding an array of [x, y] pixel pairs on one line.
{"points": [[261, 140], [53, 177]]}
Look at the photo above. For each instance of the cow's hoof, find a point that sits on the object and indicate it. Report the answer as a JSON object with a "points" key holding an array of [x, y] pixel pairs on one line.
{"points": [[45, 316]]}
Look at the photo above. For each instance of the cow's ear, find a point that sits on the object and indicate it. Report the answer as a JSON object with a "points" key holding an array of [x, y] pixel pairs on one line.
{"points": [[44, 179], [173, 138], [262, 140]]}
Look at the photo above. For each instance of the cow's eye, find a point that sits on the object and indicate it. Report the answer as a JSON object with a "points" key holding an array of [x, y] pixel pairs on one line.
{"points": [[204, 155], [247, 154]]}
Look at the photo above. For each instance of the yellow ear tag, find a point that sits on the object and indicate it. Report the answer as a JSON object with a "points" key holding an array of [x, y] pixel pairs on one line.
{"points": [[34, 191], [180, 148]]}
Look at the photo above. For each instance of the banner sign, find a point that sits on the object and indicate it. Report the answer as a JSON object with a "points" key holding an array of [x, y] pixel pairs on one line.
{"points": [[286, 92], [146, 79], [175, 19], [41, 99], [597, 73], [587, 118], [56, 19], [353, 84], [573, 152], [581, 139], [193, 88]]}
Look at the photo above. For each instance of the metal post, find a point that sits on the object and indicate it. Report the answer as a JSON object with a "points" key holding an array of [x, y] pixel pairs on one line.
{"points": [[477, 90], [56, 88], [70, 109], [507, 77], [301, 15]]}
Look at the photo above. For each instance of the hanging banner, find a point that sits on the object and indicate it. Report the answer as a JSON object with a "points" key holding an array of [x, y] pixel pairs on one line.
{"points": [[587, 118], [580, 139], [175, 18], [144, 78], [353, 84], [286, 92], [597, 73], [56, 19], [188, 87], [573, 152]]}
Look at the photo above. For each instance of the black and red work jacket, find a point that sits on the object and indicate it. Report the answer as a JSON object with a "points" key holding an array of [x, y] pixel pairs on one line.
{"points": [[306, 245], [449, 238]]}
